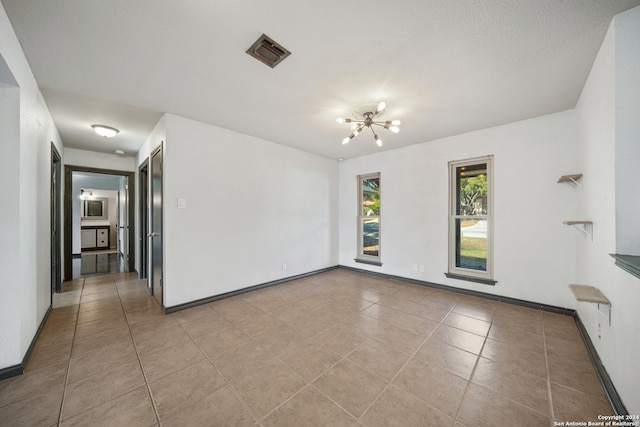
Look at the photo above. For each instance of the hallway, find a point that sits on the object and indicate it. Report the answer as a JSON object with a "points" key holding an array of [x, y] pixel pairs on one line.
{"points": [[338, 348]]}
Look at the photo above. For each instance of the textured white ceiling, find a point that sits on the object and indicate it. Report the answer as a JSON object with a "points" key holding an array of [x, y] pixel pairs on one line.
{"points": [[443, 67]]}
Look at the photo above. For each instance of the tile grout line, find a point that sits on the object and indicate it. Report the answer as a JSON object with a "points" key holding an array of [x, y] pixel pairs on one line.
{"points": [[66, 376], [390, 382], [146, 382], [546, 362], [226, 380]]}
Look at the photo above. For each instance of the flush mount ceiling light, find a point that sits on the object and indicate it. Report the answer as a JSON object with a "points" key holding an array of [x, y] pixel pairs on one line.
{"points": [[364, 116], [106, 131]]}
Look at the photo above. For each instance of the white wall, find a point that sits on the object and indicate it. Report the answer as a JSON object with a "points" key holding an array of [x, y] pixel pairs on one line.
{"points": [[251, 205], [25, 214], [533, 258], [603, 133], [92, 159]]}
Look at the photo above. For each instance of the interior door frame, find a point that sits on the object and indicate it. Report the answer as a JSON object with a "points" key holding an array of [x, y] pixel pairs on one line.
{"points": [[159, 298], [68, 212], [143, 217], [56, 226]]}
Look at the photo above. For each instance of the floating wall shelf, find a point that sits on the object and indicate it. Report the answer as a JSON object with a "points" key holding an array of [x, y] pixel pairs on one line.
{"points": [[593, 295], [574, 178]]}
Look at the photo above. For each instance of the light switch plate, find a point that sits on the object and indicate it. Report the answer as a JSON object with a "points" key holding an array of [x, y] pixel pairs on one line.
{"points": [[182, 203]]}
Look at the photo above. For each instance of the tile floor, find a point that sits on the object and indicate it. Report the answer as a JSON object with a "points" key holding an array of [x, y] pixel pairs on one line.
{"points": [[335, 349]]}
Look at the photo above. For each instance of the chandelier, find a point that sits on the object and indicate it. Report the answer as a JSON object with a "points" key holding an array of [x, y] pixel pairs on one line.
{"points": [[365, 116]]}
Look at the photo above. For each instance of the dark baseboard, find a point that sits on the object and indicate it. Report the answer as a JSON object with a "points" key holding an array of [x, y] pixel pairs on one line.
{"points": [[230, 294], [11, 371], [498, 298], [603, 376], [15, 370]]}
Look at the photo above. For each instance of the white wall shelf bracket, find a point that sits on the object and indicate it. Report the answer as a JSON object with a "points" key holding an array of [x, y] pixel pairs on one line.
{"points": [[585, 227], [593, 295]]}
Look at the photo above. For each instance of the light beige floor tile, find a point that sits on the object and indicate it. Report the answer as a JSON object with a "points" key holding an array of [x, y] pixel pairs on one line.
{"points": [[439, 388], [514, 335], [351, 386], [96, 326], [101, 387], [523, 318], [403, 320], [50, 336], [476, 307], [379, 358], [185, 387], [37, 410], [397, 408], [340, 339], [469, 324], [458, 338], [310, 359], [483, 408], [49, 355], [512, 383], [268, 387], [399, 338], [119, 335], [101, 359], [201, 327], [257, 324], [221, 340], [576, 375], [105, 314], [314, 324], [169, 360], [516, 355], [242, 359], [309, 408], [569, 404], [152, 341], [32, 383], [449, 358], [414, 308], [221, 408], [131, 409], [280, 339], [311, 324]]}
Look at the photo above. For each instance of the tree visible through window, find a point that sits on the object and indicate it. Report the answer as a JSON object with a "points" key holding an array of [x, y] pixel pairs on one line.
{"points": [[369, 218], [470, 218]]}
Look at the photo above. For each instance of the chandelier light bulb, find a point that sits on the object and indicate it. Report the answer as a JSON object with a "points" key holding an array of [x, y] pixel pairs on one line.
{"points": [[366, 117]]}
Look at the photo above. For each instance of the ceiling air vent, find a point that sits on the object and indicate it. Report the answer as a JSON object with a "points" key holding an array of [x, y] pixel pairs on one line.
{"points": [[267, 51]]}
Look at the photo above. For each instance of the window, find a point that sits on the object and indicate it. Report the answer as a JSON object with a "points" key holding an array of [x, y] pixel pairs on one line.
{"points": [[470, 220], [369, 219]]}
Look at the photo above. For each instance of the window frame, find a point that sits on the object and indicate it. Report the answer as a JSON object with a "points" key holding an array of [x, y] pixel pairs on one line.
{"points": [[360, 255], [480, 276]]}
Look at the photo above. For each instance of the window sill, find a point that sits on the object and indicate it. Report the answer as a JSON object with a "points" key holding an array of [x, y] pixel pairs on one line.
{"points": [[629, 263], [471, 279], [366, 261]]}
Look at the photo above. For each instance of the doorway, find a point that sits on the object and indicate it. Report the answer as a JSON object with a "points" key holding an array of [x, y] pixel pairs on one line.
{"points": [[143, 192], [156, 226], [56, 240], [128, 188]]}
